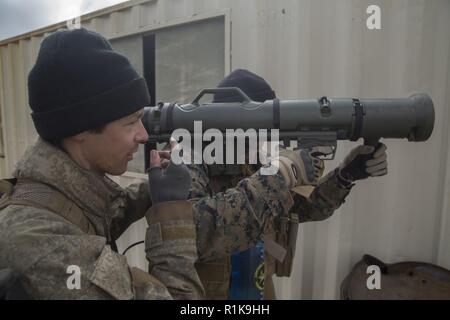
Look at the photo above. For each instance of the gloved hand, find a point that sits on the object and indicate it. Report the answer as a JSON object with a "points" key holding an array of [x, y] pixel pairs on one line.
{"points": [[168, 181], [299, 167], [364, 161]]}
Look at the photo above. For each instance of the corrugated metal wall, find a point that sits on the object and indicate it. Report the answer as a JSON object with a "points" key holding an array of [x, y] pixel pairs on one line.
{"points": [[307, 49]]}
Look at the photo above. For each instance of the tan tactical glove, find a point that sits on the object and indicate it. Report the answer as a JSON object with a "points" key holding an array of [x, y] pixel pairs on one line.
{"points": [[299, 167], [362, 162]]}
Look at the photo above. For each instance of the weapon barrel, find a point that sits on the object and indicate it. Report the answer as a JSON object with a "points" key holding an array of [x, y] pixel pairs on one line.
{"points": [[351, 119]]}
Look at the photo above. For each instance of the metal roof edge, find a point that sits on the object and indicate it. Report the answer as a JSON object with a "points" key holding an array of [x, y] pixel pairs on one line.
{"points": [[87, 16]]}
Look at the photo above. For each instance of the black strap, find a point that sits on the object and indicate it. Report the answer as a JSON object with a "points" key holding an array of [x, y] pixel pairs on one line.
{"points": [[276, 113], [359, 119], [131, 246], [169, 120], [113, 245]]}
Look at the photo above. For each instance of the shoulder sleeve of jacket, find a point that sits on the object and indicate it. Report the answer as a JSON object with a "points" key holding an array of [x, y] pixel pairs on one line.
{"points": [[137, 199], [323, 201], [200, 182], [56, 260], [235, 219]]}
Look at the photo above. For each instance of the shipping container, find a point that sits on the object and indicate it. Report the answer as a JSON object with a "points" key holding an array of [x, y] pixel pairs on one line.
{"points": [[304, 49]]}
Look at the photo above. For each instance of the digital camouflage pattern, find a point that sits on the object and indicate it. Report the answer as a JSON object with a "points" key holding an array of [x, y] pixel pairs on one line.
{"points": [[234, 212], [41, 245], [234, 220]]}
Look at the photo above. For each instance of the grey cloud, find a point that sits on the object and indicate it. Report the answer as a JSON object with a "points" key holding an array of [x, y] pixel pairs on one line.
{"points": [[21, 16]]}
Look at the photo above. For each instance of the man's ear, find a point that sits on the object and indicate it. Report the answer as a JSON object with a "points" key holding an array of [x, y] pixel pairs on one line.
{"points": [[79, 137]]}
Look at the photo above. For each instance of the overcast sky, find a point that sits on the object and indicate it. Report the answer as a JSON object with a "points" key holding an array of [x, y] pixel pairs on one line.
{"points": [[21, 16]]}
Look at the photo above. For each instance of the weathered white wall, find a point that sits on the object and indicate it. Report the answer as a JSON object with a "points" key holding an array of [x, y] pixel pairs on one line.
{"points": [[307, 49]]}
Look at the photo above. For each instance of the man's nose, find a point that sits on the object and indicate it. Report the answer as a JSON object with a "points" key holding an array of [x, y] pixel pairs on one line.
{"points": [[142, 135]]}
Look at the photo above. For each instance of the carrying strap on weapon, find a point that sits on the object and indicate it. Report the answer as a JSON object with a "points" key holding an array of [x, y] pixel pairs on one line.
{"points": [[56, 202]]}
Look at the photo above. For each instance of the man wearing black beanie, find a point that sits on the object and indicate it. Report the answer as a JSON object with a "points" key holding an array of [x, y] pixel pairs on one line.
{"points": [[79, 83], [61, 215]]}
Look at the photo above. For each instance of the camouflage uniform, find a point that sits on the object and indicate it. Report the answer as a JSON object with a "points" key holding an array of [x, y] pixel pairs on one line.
{"points": [[41, 245], [233, 215]]}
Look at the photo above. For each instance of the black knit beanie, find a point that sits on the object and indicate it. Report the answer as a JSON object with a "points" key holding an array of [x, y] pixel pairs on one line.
{"points": [[79, 83], [253, 85]]}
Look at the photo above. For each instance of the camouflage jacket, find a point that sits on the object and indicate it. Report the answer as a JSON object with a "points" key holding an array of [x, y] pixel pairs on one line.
{"points": [[241, 210], [235, 220], [41, 245], [232, 216]]}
